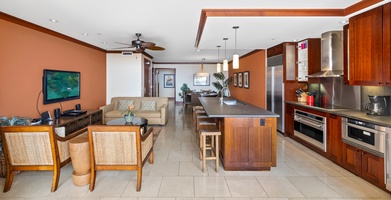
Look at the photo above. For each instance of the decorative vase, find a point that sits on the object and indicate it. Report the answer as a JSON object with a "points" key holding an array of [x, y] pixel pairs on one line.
{"points": [[129, 118]]}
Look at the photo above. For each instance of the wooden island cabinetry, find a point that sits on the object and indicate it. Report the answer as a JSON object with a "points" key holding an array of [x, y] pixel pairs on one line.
{"points": [[364, 164], [248, 134], [369, 47], [245, 145]]}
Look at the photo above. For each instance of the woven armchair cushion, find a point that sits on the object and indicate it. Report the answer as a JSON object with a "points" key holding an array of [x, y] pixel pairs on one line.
{"points": [[148, 105], [124, 104], [115, 148]]}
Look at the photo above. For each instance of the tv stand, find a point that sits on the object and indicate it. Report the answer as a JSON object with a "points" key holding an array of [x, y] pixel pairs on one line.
{"points": [[78, 123]]}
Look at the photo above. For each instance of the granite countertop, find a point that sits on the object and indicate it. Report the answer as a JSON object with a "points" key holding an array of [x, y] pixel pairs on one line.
{"points": [[214, 108], [347, 112]]}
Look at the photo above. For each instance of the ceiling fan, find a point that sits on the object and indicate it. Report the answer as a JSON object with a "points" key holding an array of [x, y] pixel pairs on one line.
{"points": [[141, 45]]}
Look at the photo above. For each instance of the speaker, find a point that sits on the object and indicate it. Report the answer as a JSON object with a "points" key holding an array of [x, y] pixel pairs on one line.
{"points": [[46, 117], [78, 107], [57, 113]]}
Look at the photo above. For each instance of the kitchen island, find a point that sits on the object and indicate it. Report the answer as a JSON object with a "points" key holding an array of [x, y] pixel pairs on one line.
{"points": [[248, 134]]}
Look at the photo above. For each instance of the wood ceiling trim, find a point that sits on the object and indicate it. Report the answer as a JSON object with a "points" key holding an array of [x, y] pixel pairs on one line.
{"points": [[205, 13], [360, 5], [27, 24]]}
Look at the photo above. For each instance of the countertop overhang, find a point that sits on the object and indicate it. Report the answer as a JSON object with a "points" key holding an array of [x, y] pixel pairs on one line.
{"points": [[214, 108]]}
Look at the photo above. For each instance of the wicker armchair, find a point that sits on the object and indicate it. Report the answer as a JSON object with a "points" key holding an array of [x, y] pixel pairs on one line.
{"points": [[28, 148], [119, 148]]}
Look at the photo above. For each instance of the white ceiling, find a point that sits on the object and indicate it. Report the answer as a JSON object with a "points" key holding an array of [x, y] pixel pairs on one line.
{"points": [[173, 24]]}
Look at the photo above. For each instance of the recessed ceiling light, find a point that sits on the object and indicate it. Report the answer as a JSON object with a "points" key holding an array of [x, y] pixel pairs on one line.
{"points": [[273, 38], [198, 50], [85, 34], [53, 20], [295, 40], [104, 42]]}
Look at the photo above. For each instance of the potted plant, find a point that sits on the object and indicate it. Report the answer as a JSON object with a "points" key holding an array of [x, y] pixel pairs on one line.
{"points": [[184, 89], [130, 113], [221, 81]]}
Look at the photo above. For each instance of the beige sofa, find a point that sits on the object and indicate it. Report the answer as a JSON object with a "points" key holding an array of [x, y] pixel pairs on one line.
{"points": [[154, 109]]}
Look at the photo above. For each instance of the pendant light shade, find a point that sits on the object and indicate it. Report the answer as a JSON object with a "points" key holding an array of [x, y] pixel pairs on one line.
{"points": [[218, 65], [235, 58], [225, 61], [202, 73]]}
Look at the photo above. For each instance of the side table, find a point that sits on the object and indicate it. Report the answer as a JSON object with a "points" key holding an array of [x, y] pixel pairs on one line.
{"points": [[80, 155]]}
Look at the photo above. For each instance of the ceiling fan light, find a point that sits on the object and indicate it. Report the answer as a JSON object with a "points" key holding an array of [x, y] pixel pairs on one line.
{"points": [[235, 61], [218, 67], [225, 65]]}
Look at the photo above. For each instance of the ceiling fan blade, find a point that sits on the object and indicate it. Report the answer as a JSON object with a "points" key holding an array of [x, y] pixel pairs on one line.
{"points": [[127, 47], [123, 43], [147, 44], [156, 48]]}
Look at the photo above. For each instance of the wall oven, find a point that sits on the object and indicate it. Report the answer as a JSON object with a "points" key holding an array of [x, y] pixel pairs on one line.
{"points": [[310, 128]]}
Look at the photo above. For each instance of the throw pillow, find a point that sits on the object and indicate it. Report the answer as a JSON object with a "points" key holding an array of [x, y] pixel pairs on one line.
{"points": [[124, 104], [148, 105]]}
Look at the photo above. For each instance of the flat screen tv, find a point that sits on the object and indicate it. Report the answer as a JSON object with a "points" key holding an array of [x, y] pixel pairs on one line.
{"points": [[60, 86]]}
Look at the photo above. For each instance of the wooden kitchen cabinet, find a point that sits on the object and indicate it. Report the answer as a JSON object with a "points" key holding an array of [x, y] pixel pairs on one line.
{"points": [[369, 47], [288, 52], [289, 120], [334, 139], [364, 164], [308, 58]]}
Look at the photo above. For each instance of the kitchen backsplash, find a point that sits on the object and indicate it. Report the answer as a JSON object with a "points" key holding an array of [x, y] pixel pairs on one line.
{"points": [[373, 90]]}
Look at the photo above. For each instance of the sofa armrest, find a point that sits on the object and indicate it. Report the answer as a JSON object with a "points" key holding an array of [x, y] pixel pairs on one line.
{"points": [[164, 114], [106, 109]]}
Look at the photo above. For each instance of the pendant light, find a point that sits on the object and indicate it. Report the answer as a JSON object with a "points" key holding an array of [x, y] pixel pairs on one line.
{"points": [[235, 58], [218, 65], [202, 73], [225, 61]]}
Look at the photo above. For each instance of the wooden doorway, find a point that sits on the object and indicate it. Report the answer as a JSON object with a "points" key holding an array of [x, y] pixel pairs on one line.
{"points": [[147, 78], [158, 78]]}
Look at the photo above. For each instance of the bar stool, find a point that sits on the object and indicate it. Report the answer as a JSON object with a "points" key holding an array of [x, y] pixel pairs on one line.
{"points": [[213, 133]]}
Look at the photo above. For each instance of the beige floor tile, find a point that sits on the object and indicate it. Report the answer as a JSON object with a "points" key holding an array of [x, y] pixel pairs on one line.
{"points": [[211, 187], [106, 186], [245, 187], [177, 187], [191, 168], [304, 168], [180, 155], [282, 169], [356, 188], [164, 168], [279, 187], [150, 186], [313, 187]]}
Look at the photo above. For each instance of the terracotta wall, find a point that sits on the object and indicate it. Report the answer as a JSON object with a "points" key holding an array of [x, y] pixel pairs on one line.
{"points": [[25, 52], [255, 63]]}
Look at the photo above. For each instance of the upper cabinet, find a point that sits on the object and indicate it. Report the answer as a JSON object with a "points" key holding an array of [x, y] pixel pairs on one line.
{"points": [[299, 59], [308, 58], [369, 48], [288, 52]]}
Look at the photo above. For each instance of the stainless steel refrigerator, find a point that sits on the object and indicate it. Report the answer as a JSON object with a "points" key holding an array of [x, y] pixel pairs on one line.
{"points": [[275, 89]]}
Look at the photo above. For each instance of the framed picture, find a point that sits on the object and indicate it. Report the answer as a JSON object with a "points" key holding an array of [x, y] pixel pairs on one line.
{"points": [[201, 79], [169, 80], [246, 79], [235, 79], [240, 79]]}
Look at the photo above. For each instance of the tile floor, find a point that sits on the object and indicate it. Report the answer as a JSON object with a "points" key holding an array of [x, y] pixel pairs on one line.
{"points": [[176, 175]]}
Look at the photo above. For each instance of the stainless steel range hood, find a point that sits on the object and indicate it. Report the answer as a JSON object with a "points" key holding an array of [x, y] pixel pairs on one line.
{"points": [[331, 55]]}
